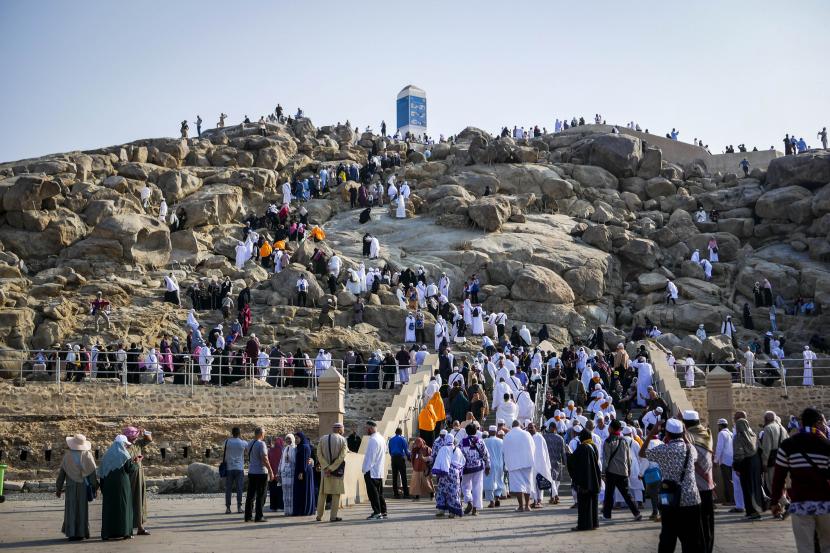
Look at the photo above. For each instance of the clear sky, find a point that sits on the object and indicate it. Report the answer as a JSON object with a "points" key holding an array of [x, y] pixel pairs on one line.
{"points": [[85, 74]]}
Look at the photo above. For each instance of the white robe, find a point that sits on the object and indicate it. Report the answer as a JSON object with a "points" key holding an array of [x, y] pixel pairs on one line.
{"points": [[334, 265], [499, 390], [525, 335], [809, 356], [401, 211], [439, 334], [478, 323], [519, 449], [286, 193], [353, 282], [444, 286], [525, 407], [205, 360], [645, 372], [241, 255], [374, 248], [401, 298], [508, 412], [163, 211], [361, 272], [409, 329], [541, 458], [468, 312]]}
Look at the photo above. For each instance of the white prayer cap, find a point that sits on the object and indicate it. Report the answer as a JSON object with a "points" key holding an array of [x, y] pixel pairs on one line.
{"points": [[582, 420], [577, 428], [700, 325], [674, 426], [557, 413], [500, 421], [443, 432], [595, 374], [659, 410], [626, 431], [690, 415], [121, 438], [806, 348], [623, 424], [723, 422], [620, 345], [492, 428], [570, 402]]}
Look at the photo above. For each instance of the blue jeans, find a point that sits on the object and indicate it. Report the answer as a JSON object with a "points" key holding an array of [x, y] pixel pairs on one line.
{"points": [[234, 478]]}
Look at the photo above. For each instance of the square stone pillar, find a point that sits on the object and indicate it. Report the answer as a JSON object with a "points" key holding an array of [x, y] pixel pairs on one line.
{"points": [[720, 405], [331, 401]]}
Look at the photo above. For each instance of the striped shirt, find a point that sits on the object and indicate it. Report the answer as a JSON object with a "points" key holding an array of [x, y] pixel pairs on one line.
{"points": [[805, 457]]}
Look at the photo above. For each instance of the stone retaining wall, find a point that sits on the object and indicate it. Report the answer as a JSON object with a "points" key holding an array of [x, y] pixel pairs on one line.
{"points": [[757, 399], [106, 398]]}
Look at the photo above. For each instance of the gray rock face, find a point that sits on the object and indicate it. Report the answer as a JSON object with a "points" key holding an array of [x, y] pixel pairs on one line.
{"points": [[651, 163], [620, 154], [142, 239], [810, 170]]}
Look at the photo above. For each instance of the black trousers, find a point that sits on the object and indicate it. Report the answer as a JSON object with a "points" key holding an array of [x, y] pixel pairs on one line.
{"points": [[612, 482], [302, 298], [256, 489], [587, 510], [681, 523], [707, 519], [374, 489], [399, 475], [726, 474]]}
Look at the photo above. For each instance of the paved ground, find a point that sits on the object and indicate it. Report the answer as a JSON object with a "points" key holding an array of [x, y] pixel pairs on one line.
{"points": [[184, 524]]}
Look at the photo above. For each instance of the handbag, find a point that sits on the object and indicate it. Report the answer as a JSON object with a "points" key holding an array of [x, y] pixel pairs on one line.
{"points": [[542, 483], [671, 491], [223, 466]]}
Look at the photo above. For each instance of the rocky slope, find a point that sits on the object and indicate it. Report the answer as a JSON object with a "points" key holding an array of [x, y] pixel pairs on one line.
{"points": [[581, 230]]}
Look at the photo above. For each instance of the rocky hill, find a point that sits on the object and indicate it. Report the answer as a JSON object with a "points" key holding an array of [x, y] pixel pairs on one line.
{"points": [[581, 230]]}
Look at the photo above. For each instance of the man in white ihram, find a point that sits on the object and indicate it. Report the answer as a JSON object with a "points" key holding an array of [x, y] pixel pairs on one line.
{"points": [[519, 463]]}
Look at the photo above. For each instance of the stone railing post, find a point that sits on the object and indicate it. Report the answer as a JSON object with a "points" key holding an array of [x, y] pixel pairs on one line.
{"points": [[720, 404], [331, 399], [719, 398]]}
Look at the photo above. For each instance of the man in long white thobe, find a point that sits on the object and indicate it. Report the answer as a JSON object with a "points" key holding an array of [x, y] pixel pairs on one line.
{"points": [[400, 211], [690, 372], [286, 193], [723, 458], [145, 196], [499, 390], [392, 191], [519, 450], [321, 363], [494, 481], [440, 330], [444, 285], [749, 367], [241, 254], [374, 248], [541, 463], [454, 377], [262, 365], [809, 356], [409, 328], [645, 373], [405, 190], [707, 268], [205, 361]]}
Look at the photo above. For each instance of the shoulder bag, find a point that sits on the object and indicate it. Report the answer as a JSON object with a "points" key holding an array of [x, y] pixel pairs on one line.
{"points": [[223, 466]]}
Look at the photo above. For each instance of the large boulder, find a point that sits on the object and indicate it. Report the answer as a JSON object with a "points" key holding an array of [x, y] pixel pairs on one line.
{"points": [[143, 239], [642, 252], [177, 184], [588, 283], [594, 177], [651, 163], [620, 154], [598, 236], [659, 187], [535, 283], [27, 192], [490, 212], [810, 170], [719, 347], [204, 478], [784, 279], [728, 245], [284, 284], [789, 202], [216, 204], [651, 282]]}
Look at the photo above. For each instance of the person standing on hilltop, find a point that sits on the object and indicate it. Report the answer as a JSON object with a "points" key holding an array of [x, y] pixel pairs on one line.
{"points": [[199, 125], [184, 129], [822, 134]]}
